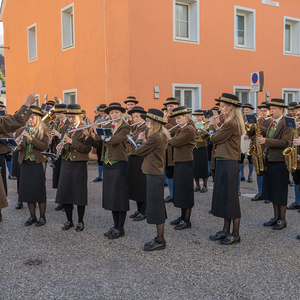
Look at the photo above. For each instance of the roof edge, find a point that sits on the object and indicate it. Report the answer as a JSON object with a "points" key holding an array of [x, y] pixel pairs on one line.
{"points": [[2, 9]]}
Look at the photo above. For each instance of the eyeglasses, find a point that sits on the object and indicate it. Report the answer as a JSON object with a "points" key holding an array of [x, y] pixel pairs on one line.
{"points": [[71, 117]]}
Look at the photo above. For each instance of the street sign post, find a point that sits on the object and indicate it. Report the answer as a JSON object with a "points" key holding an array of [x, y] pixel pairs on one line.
{"points": [[256, 81]]}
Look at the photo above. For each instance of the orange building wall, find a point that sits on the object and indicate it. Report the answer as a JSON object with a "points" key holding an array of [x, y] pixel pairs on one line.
{"points": [[140, 53]]}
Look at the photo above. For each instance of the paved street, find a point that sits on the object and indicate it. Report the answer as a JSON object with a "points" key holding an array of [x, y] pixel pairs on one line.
{"points": [[71, 265]]}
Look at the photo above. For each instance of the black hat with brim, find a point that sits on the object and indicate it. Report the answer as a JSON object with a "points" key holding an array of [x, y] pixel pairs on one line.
{"points": [[248, 105], [2, 104], [163, 109], [229, 99], [198, 112], [50, 102], [137, 109], [73, 109], [114, 106], [131, 99], [102, 107], [277, 102], [60, 108], [180, 110], [172, 100], [154, 114], [215, 108], [36, 110], [293, 105], [263, 105]]}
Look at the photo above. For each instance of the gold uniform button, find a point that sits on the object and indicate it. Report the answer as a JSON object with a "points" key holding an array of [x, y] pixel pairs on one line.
{"points": [[25, 112], [73, 156], [22, 115]]}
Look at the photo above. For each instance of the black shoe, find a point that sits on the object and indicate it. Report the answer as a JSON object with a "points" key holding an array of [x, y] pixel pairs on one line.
{"points": [[271, 222], [0, 216], [30, 221], [209, 211], [218, 236], [59, 207], [19, 205], [293, 206], [151, 242], [97, 179], [155, 245], [116, 234], [139, 217], [298, 237], [203, 190], [183, 225], [267, 201], [243, 179], [197, 188], [176, 221], [79, 227], [209, 174], [41, 222], [250, 179], [168, 199], [12, 177], [239, 193], [134, 215], [67, 225], [110, 231], [230, 240], [257, 197], [165, 184], [279, 225]]}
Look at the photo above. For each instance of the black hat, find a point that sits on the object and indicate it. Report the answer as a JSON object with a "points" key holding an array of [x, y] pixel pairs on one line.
{"points": [[36, 110], [180, 110], [215, 108], [198, 112], [73, 109], [248, 105], [131, 99], [154, 114], [163, 109], [137, 109], [2, 104], [172, 100], [263, 105], [83, 111], [229, 99], [60, 108], [50, 102], [277, 102], [114, 105], [102, 107], [293, 105]]}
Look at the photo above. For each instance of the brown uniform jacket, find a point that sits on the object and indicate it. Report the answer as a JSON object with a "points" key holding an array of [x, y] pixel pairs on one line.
{"points": [[136, 132], [79, 148], [170, 150], [4, 149], [56, 140], [38, 147], [116, 145], [226, 142], [183, 143], [200, 144], [154, 152]]}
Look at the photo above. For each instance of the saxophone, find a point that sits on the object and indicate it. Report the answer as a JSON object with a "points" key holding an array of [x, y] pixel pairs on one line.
{"points": [[291, 155], [257, 153]]}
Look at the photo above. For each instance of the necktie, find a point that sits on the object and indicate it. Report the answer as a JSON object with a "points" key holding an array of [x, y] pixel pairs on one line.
{"points": [[274, 124], [113, 126], [61, 124]]}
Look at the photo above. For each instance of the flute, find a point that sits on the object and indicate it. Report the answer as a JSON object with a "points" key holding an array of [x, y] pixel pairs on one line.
{"points": [[174, 127], [137, 123]]}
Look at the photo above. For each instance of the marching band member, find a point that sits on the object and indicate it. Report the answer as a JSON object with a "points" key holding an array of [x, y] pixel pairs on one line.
{"points": [[50, 103], [276, 176], [183, 144], [171, 103], [136, 178], [115, 185], [130, 103], [154, 149], [293, 108], [72, 185], [85, 119], [32, 187], [200, 154], [225, 156]]}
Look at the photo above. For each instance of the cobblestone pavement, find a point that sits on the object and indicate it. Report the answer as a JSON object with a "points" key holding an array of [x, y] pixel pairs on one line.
{"points": [[85, 265]]}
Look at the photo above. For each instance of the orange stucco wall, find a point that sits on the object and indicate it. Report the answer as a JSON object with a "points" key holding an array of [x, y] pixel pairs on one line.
{"points": [[127, 48]]}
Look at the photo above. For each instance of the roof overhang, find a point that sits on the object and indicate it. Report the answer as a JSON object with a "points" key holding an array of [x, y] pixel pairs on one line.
{"points": [[2, 9]]}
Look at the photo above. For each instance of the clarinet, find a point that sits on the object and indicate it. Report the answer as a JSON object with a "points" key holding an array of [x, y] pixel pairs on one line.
{"points": [[51, 135]]}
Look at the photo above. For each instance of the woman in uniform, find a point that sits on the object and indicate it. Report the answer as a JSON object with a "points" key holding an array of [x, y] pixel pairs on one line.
{"points": [[72, 184], [154, 149], [225, 156], [32, 188], [183, 143], [136, 178]]}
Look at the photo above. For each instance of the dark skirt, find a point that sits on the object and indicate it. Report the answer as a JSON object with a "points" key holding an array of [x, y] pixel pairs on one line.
{"points": [[275, 183], [156, 210], [3, 171], [225, 200], [32, 186], [136, 179], [56, 173], [15, 165], [200, 163], [209, 150], [99, 152], [72, 185], [115, 187], [183, 196]]}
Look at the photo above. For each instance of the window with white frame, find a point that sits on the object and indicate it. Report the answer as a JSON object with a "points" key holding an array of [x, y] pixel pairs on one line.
{"points": [[189, 95], [67, 26], [245, 96], [291, 36], [244, 28], [70, 96], [186, 21], [32, 42], [291, 95]]}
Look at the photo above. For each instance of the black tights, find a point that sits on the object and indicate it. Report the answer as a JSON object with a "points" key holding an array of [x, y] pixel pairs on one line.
{"points": [[198, 182], [279, 212], [186, 214], [42, 207], [160, 232], [141, 207], [236, 227], [119, 219], [69, 212]]}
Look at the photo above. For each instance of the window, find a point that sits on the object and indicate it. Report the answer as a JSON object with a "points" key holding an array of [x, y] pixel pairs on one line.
{"points": [[37, 100], [244, 28], [186, 21], [291, 36], [70, 96], [67, 26], [291, 95], [32, 44], [245, 96], [189, 95]]}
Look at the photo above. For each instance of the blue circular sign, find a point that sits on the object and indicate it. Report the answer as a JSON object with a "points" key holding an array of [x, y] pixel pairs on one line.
{"points": [[254, 78]]}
